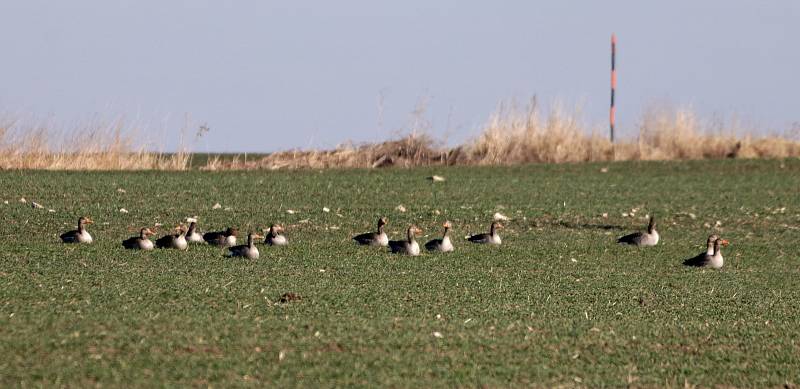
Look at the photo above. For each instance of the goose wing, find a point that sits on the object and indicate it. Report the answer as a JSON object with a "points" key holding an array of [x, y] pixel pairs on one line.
{"points": [[398, 246], [480, 238], [633, 239], [699, 260], [238, 251], [434, 245], [215, 238], [131, 243], [70, 236], [367, 238], [165, 241]]}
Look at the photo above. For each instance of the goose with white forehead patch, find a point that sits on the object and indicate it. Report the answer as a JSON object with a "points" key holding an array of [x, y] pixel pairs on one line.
{"points": [[81, 235]]}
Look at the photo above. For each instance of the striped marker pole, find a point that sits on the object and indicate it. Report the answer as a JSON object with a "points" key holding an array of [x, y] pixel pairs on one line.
{"points": [[612, 112]]}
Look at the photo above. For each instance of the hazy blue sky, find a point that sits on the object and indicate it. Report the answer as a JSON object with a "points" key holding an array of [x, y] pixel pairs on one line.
{"points": [[266, 75]]}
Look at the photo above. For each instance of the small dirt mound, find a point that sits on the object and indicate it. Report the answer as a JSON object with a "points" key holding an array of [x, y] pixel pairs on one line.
{"points": [[289, 297]]}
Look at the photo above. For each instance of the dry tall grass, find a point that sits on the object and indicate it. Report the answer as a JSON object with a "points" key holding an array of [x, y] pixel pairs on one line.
{"points": [[515, 135], [519, 135], [97, 146], [512, 135], [680, 134]]}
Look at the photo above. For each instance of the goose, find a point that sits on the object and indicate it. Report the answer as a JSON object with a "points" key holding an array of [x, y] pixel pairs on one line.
{"points": [[491, 238], [408, 246], [141, 242], [249, 250], [192, 236], [642, 239], [712, 257], [80, 235], [699, 259], [374, 238], [222, 238], [444, 245], [175, 241], [275, 236]]}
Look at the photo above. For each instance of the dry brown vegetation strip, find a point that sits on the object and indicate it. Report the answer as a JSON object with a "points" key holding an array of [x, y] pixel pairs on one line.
{"points": [[511, 136]]}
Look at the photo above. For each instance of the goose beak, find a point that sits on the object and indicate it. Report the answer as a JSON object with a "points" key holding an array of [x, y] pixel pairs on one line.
{"points": [[724, 242], [257, 236], [89, 221]]}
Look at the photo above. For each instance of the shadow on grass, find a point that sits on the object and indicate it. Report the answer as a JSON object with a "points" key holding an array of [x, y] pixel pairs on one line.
{"points": [[588, 226]]}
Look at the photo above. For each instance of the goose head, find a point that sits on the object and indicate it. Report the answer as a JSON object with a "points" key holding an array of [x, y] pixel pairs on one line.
{"points": [[276, 229], [84, 220], [145, 232], [717, 243], [251, 237], [413, 231], [232, 231]]}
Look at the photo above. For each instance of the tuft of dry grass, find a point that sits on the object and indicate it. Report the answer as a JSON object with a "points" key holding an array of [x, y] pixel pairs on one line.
{"points": [[98, 146], [679, 134], [515, 135], [410, 150]]}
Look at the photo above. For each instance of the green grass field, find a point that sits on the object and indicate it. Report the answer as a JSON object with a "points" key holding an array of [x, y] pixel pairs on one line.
{"points": [[558, 304]]}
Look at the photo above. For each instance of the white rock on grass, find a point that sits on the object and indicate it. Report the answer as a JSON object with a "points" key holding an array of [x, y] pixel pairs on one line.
{"points": [[499, 217]]}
